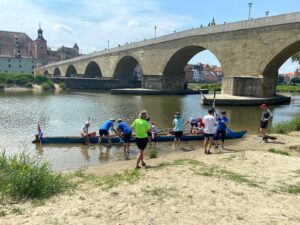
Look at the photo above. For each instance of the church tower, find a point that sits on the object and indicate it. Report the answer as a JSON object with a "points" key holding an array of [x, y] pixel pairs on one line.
{"points": [[39, 48]]}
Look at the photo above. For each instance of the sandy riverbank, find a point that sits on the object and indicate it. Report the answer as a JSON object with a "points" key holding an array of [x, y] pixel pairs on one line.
{"points": [[243, 184]]}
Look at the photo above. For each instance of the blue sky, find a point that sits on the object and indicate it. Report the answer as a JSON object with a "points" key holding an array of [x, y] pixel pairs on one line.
{"points": [[92, 23]]}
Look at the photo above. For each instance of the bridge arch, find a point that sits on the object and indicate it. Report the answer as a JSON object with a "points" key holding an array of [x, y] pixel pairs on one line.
{"points": [[92, 70], [279, 59], [57, 72], [173, 72], [127, 68], [71, 71]]}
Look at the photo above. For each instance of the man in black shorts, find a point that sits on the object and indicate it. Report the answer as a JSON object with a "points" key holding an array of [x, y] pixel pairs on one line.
{"points": [[264, 120], [125, 132]]}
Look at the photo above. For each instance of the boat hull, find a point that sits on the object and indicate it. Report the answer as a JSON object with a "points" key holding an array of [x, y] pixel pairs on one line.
{"points": [[160, 138]]}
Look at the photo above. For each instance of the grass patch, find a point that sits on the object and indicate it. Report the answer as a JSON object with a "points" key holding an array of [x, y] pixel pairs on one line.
{"points": [[288, 88], [62, 85], [25, 80], [277, 151], [210, 87], [293, 189], [286, 127], [158, 191], [152, 153], [215, 171], [24, 177], [17, 211], [110, 181]]}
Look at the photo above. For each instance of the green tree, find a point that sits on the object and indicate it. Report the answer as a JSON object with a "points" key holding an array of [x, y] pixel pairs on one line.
{"points": [[296, 57]]}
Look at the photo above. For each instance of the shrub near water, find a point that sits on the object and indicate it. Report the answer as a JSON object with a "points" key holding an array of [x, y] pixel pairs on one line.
{"points": [[286, 127], [25, 177]]}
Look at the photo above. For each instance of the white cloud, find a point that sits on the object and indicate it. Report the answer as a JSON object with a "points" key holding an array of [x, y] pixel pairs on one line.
{"points": [[62, 28], [133, 23]]}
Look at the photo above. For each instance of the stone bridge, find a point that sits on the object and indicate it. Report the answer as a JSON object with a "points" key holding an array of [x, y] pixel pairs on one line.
{"points": [[250, 53]]}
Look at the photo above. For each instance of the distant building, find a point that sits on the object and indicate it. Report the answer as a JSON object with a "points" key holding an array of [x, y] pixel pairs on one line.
{"points": [[203, 73], [20, 54]]}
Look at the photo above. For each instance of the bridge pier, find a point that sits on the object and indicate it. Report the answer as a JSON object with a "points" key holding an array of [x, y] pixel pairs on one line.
{"points": [[160, 82], [260, 87]]}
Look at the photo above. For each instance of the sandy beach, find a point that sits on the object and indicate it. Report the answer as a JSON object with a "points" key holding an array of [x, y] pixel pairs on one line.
{"points": [[242, 184]]}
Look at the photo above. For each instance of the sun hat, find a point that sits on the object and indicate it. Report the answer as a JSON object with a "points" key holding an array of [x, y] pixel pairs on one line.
{"points": [[120, 120], [263, 106], [112, 119]]}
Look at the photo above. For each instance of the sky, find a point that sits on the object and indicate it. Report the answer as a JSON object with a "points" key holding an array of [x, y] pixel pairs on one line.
{"points": [[93, 24]]}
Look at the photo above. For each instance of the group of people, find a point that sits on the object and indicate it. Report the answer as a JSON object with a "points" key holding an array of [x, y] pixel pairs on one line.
{"points": [[213, 126]]}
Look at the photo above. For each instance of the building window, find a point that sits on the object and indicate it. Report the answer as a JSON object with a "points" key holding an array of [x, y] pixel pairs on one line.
{"points": [[32, 61], [32, 67], [42, 47], [20, 66], [9, 66], [32, 73]]}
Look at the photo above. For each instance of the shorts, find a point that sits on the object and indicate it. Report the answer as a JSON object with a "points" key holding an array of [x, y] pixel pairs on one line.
{"points": [[208, 135], [178, 134], [263, 124], [103, 132], [126, 138], [194, 124], [141, 143], [221, 133]]}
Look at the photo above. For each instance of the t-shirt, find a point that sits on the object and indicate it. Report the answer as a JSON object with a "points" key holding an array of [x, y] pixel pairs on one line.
{"points": [[222, 123], [177, 123], [84, 129], [141, 126], [266, 115], [124, 127], [107, 125], [193, 120], [210, 124]]}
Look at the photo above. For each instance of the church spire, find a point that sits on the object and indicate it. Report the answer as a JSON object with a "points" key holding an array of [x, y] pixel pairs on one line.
{"points": [[40, 31]]}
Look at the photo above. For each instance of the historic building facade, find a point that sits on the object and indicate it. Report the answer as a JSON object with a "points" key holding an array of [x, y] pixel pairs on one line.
{"points": [[20, 54]]}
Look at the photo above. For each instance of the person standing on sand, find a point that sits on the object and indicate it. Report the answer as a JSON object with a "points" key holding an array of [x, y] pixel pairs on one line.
{"points": [[264, 120], [210, 124], [178, 128], [141, 127]]}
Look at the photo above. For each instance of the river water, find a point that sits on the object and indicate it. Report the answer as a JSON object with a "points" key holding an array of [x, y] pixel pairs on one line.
{"points": [[64, 113]]}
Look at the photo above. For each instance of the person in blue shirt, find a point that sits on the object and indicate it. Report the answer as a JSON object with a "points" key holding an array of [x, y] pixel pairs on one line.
{"points": [[221, 128], [104, 130], [125, 132]]}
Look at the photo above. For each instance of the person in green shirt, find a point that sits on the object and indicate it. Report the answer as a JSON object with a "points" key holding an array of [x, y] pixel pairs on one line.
{"points": [[141, 127]]}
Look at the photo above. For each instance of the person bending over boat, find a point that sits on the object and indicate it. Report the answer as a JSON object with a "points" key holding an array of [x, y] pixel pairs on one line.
{"points": [[141, 127], [85, 132], [265, 118], [221, 128], [178, 128], [193, 123], [104, 130], [125, 132], [210, 124]]}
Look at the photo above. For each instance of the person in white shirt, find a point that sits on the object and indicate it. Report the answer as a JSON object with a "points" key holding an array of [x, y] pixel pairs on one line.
{"points": [[210, 125]]}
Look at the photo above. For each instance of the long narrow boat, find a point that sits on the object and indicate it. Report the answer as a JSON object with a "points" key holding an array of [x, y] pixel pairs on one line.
{"points": [[158, 138]]}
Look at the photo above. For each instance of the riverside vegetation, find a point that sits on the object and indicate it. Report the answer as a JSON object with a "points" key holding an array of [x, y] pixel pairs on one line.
{"points": [[286, 127], [27, 81]]}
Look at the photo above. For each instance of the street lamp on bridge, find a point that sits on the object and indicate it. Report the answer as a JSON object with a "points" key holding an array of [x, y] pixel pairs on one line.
{"points": [[267, 13], [155, 28], [250, 5], [107, 44]]}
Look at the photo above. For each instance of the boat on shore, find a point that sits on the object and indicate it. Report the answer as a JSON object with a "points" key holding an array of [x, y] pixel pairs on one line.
{"points": [[116, 139]]}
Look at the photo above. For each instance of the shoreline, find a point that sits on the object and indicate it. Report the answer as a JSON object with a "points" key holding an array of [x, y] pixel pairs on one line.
{"points": [[243, 184]]}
